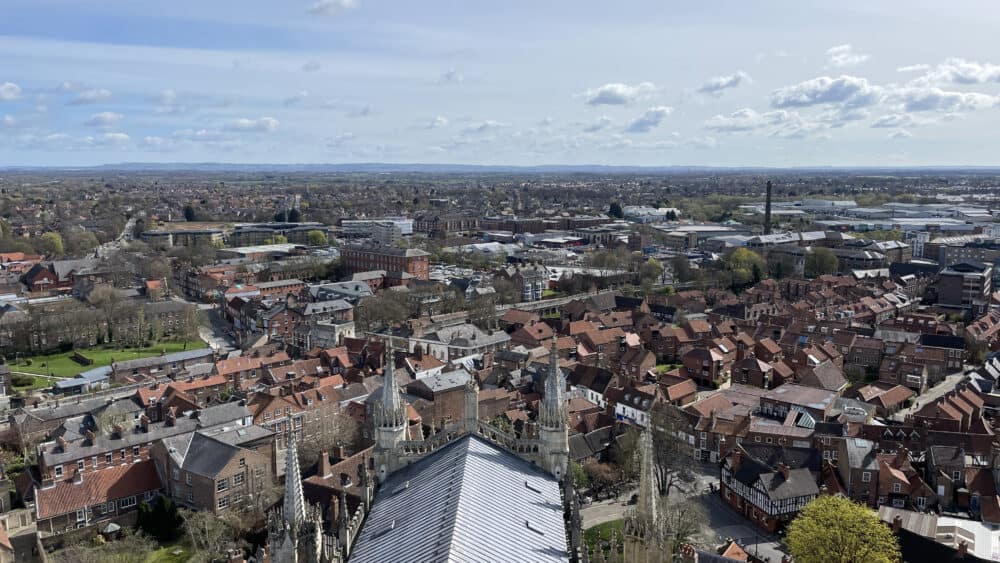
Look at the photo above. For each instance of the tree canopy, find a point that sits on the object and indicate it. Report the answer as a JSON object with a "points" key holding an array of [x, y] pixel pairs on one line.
{"points": [[821, 260], [317, 238], [833, 529]]}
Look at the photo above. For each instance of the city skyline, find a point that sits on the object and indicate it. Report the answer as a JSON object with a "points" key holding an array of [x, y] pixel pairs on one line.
{"points": [[340, 81]]}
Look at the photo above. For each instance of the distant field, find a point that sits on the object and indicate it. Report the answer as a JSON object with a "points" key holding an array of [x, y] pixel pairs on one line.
{"points": [[61, 365]]}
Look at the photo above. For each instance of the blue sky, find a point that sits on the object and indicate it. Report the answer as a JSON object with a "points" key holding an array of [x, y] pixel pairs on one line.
{"points": [[519, 82]]}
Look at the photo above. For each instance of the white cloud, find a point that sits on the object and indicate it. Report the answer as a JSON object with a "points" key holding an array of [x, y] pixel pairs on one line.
{"points": [[849, 91], [650, 119], [484, 126], [92, 96], [154, 143], [936, 99], [719, 83], [8, 121], [104, 119], [893, 120], [114, 138], [617, 93], [913, 68], [844, 55], [438, 122], [311, 66], [263, 124], [9, 91], [168, 103], [332, 7], [900, 134], [296, 98], [451, 76], [602, 122], [960, 71], [746, 119]]}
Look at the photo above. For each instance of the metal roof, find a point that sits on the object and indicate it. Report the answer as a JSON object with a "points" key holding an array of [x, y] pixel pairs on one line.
{"points": [[468, 502]]}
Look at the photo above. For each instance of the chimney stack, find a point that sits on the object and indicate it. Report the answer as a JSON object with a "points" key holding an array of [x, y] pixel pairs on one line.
{"points": [[325, 469], [737, 459], [767, 210], [783, 469], [897, 523]]}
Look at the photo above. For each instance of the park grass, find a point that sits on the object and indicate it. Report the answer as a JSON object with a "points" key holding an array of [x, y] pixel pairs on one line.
{"points": [[62, 365], [36, 383], [173, 553], [602, 532]]}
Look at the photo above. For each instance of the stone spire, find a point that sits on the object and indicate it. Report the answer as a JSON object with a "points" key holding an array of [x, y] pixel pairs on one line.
{"points": [[294, 511], [647, 507], [390, 411], [553, 413]]}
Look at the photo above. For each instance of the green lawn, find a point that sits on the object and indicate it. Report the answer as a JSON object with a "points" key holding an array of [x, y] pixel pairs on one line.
{"points": [[602, 532], [61, 365], [36, 383], [169, 554]]}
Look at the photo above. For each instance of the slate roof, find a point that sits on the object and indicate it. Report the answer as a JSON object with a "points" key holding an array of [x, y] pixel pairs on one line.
{"points": [[468, 502], [200, 454]]}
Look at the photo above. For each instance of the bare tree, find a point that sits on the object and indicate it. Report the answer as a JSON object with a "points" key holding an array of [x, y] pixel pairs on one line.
{"points": [[130, 547], [208, 534]]}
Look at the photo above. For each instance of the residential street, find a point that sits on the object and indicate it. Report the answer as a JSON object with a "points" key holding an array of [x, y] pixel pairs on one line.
{"points": [[932, 394]]}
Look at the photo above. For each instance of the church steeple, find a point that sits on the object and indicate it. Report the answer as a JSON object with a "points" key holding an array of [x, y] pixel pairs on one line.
{"points": [[390, 411], [390, 419], [294, 510], [553, 412], [647, 507], [553, 428]]}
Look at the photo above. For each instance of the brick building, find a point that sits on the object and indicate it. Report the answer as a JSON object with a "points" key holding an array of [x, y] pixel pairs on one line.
{"points": [[413, 261]]}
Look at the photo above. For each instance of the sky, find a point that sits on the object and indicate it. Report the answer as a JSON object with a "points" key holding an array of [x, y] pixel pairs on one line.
{"points": [[644, 82]]}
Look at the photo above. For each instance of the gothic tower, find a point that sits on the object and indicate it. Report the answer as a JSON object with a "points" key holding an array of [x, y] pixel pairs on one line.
{"points": [[389, 419], [553, 428], [471, 410], [293, 514], [645, 540]]}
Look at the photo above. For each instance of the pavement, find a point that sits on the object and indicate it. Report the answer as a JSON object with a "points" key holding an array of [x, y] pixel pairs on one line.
{"points": [[216, 334], [932, 394], [722, 522]]}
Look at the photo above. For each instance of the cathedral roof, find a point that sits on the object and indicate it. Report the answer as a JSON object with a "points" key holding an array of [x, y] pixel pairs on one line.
{"points": [[469, 501]]}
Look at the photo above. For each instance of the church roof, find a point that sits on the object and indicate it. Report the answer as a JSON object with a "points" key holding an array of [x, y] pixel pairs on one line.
{"points": [[467, 502]]}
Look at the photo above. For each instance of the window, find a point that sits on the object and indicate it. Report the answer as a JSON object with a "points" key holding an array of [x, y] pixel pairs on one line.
{"points": [[122, 455], [190, 497], [108, 457], [127, 502], [135, 451], [237, 479], [768, 439], [187, 478], [896, 487], [956, 476], [243, 462], [866, 477], [223, 502], [79, 464], [756, 438], [58, 471], [222, 485], [922, 502], [81, 515]]}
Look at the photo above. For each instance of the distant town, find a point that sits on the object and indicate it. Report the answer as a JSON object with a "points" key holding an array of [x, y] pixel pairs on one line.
{"points": [[541, 365]]}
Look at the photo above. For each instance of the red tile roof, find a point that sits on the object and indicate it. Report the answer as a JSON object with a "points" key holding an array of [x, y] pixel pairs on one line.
{"points": [[97, 487]]}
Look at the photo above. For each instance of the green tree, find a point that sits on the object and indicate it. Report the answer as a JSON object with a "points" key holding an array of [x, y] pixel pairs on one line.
{"points": [[821, 260], [833, 529], [189, 213], [317, 238], [746, 266], [294, 216], [51, 243], [616, 210], [280, 239]]}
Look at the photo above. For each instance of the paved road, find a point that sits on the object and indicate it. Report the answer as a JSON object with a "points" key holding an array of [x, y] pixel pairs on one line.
{"points": [[932, 394]]}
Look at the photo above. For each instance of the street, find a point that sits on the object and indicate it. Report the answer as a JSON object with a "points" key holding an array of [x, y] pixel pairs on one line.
{"points": [[932, 394], [216, 332], [722, 522]]}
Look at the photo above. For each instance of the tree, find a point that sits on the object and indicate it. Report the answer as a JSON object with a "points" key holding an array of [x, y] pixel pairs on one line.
{"points": [[580, 478], [747, 266], [673, 464], [601, 475], [325, 434], [208, 534], [681, 267], [281, 216], [110, 303], [280, 239], [836, 530], [294, 216], [160, 519], [51, 243], [651, 270], [616, 210], [189, 213], [388, 308], [317, 238], [130, 547], [683, 521], [821, 260]]}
